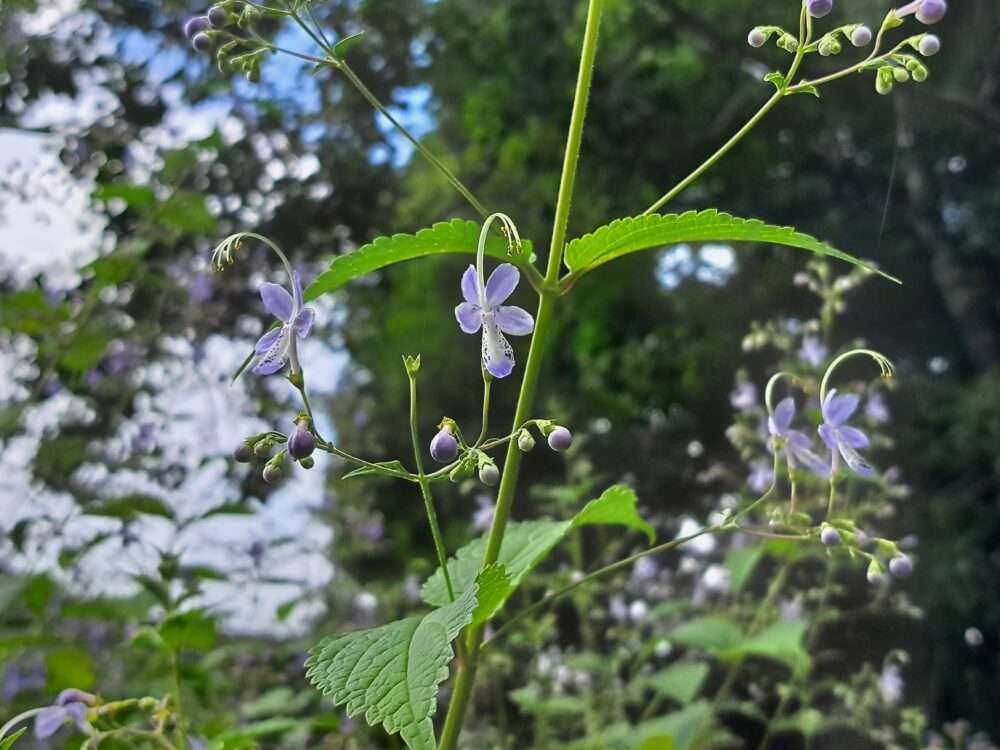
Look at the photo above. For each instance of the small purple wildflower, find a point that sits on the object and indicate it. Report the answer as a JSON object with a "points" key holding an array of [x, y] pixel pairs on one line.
{"points": [[482, 309], [444, 446], [798, 447], [818, 8], [876, 409], [761, 475], [277, 346], [70, 705], [744, 396], [841, 438], [812, 352]]}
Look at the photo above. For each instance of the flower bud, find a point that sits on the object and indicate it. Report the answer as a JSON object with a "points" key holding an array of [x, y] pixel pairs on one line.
{"points": [[884, 81], [919, 73], [243, 452], [444, 446], [560, 439], [756, 37], [263, 448], [818, 8], [830, 536], [307, 463], [901, 566], [218, 17], [788, 42], [902, 75], [931, 11], [302, 443], [489, 474], [195, 26], [876, 573], [272, 473], [861, 36], [525, 442], [929, 45], [202, 42]]}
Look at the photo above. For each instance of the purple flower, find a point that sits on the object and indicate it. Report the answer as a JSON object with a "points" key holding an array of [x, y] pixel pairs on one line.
{"points": [[876, 409], [444, 446], [278, 345], [927, 11], [761, 475], [482, 309], [70, 705], [744, 396], [812, 352], [798, 447], [301, 444], [841, 438], [818, 8]]}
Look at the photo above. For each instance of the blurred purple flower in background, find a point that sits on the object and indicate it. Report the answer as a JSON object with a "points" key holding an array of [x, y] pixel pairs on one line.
{"points": [[841, 438], [812, 352], [744, 395], [761, 475], [277, 345], [486, 312]]}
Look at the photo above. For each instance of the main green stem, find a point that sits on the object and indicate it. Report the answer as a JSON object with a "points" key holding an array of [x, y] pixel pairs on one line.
{"points": [[505, 496]]}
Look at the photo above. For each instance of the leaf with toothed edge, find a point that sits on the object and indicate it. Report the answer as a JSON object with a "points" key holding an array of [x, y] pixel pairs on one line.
{"points": [[391, 674], [630, 235], [455, 236]]}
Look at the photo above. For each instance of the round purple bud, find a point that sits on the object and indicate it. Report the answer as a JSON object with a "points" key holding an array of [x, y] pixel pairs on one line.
{"points": [[818, 8], [218, 17], [444, 446], [195, 26], [272, 474], [202, 42], [830, 536], [243, 453], [560, 439], [929, 45], [489, 474], [861, 36], [302, 443], [901, 566], [931, 11], [756, 37]]}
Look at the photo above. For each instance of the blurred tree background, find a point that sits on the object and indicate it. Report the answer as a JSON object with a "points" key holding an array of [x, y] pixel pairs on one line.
{"points": [[641, 369]]}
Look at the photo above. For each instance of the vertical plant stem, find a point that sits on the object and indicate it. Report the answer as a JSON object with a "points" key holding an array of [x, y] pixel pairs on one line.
{"points": [[425, 487], [508, 484]]}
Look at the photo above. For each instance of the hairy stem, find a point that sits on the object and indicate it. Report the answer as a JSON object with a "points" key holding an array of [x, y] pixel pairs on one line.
{"points": [[505, 496]]}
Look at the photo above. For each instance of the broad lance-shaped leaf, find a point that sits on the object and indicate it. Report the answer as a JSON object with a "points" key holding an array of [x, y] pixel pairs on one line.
{"points": [[629, 235], [527, 543], [391, 674], [455, 236]]}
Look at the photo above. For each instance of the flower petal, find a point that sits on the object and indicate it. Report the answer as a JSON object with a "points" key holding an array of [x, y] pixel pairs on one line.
{"points": [[298, 290], [854, 438], [838, 409], [826, 432], [266, 341], [501, 284], [304, 322], [852, 457], [277, 300], [78, 713], [48, 721], [470, 286], [498, 356], [469, 316], [515, 321], [784, 412], [275, 357], [806, 458]]}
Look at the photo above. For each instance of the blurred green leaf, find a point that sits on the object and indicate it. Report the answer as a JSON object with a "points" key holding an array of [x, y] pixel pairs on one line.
{"points": [[706, 634], [130, 507], [192, 629], [186, 211], [68, 668], [680, 682], [629, 235], [615, 507], [232, 738], [741, 563], [781, 642]]}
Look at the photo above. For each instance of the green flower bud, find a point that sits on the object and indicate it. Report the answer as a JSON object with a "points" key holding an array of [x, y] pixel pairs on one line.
{"points": [[525, 442], [263, 448]]}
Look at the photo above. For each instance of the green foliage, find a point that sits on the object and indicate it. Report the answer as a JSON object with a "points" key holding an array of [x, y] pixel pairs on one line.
{"points": [[8, 742], [194, 630], [741, 563], [680, 682], [130, 507], [68, 668], [242, 737], [676, 730], [494, 589], [365, 471], [527, 543], [707, 634], [781, 642], [391, 674], [455, 236], [630, 235]]}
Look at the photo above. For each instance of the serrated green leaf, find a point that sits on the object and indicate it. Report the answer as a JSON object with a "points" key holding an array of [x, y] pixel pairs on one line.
{"points": [[527, 543], [494, 588], [615, 506], [391, 674], [455, 236], [7, 742], [366, 471], [781, 642], [629, 235], [342, 47], [680, 682], [707, 634]]}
